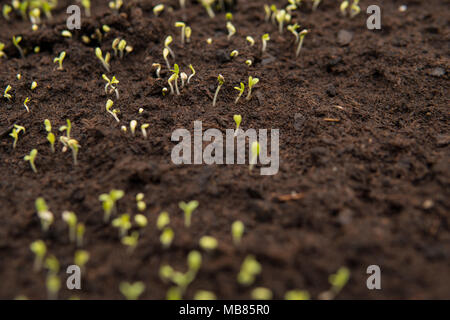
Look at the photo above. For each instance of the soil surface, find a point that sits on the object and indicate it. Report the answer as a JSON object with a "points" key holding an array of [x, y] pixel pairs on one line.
{"points": [[364, 139]]}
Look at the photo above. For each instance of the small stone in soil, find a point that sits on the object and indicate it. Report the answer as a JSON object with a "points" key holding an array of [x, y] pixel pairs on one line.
{"points": [[438, 72], [331, 90], [344, 37]]}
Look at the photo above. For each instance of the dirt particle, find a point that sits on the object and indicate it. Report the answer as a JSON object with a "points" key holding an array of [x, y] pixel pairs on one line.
{"points": [[344, 37]]}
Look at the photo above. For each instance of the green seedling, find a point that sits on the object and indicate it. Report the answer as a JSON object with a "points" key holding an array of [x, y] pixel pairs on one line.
{"points": [[194, 261], [140, 202], [2, 53], [131, 241], [87, 7], [113, 112], [302, 35], [25, 104], [111, 84], [122, 47], [188, 208], [39, 249], [33, 85], [164, 91], [255, 153], [174, 293], [315, 4], [241, 92], [181, 25], [192, 74], [228, 16], [53, 284], [188, 33], [114, 45], [183, 77], [267, 12], [115, 5], [133, 125], [166, 237], [163, 220], [204, 295], [103, 60], [165, 56], [274, 10], [261, 293], [166, 273], [70, 218], [52, 264], [45, 215], [208, 243], [265, 38], [207, 5], [32, 158], [66, 34], [140, 220], [234, 54], [237, 230], [122, 223], [293, 29], [50, 136], [132, 291], [221, 80], [343, 7], [250, 41], [209, 40], [7, 9], [67, 128], [251, 83], [292, 6], [354, 9], [15, 133], [158, 9], [73, 145], [80, 258], [16, 41], [22, 7], [144, 129], [339, 280], [80, 234], [174, 77], [6, 94], [282, 16], [231, 30], [167, 42], [158, 70], [109, 201], [250, 268], [297, 295]]}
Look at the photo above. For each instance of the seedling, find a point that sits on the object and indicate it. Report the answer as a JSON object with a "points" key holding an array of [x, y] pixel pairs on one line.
{"points": [[231, 30], [293, 29], [6, 94], [302, 35], [113, 112], [87, 7], [39, 249], [354, 9], [73, 145], [188, 33], [241, 92], [33, 85], [133, 125], [208, 243], [144, 129], [71, 219], [282, 16], [163, 220], [158, 69], [15, 133], [221, 80], [132, 291], [140, 202], [131, 241], [339, 280], [274, 10], [167, 42], [166, 237], [122, 47], [141, 220], [122, 223], [166, 272], [44, 214], [250, 40], [165, 56], [174, 77], [16, 41], [181, 25], [115, 5], [50, 136], [292, 6], [315, 4], [250, 268], [111, 84], [53, 284], [207, 5], [52, 264], [114, 45], [237, 230], [109, 201], [81, 257], [255, 153], [2, 53], [261, 293], [251, 83], [234, 54], [164, 91], [80, 234], [194, 261], [6, 11], [297, 295], [105, 60], [188, 208], [25, 104], [67, 128], [265, 38], [192, 74], [32, 158], [158, 9], [66, 34], [228, 16], [343, 7], [209, 40]]}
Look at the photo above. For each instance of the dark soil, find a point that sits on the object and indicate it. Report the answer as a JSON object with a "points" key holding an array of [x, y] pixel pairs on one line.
{"points": [[375, 184]]}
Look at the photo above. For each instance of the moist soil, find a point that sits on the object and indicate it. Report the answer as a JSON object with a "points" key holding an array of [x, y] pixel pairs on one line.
{"points": [[364, 145]]}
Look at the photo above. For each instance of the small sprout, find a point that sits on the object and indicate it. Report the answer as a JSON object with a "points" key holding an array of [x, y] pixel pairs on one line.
{"points": [[132, 291], [188, 33], [174, 293], [131, 241], [34, 27], [87, 7], [144, 129], [297, 295], [85, 39], [293, 29], [209, 40], [204, 295], [6, 94], [354, 9], [15, 133], [31, 158], [60, 60], [164, 91], [53, 284], [67, 128], [115, 5], [115, 45], [44, 214], [343, 7], [167, 42], [183, 77], [163, 220], [268, 13], [248, 62], [241, 92], [124, 129], [315, 4], [229, 16], [302, 35], [33, 85], [18, 76], [51, 139], [122, 45], [106, 28], [122, 223], [6, 11], [207, 5], [141, 220], [192, 74], [165, 56], [16, 41], [39, 249], [237, 230], [339, 280], [105, 60], [71, 219], [80, 234], [251, 82], [111, 84], [221, 80], [158, 69], [66, 34], [109, 201], [292, 6], [265, 38], [250, 268], [255, 153], [81, 258], [133, 125], [140, 202], [166, 272], [2, 53], [174, 77], [73, 145], [234, 54], [261, 293], [113, 112], [181, 25], [166, 237], [188, 208], [208, 243], [158, 9], [282, 16], [37, 49], [194, 260], [48, 125], [231, 30], [52, 264], [274, 10], [250, 40]]}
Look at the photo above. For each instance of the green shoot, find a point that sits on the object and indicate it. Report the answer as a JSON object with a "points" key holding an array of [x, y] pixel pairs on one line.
{"points": [[251, 82], [115, 5], [31, 158], [297, 295], [66, 34], [237, 230], [166, 237], [113, 112], [339, 280], [87, 7], [15, 133], [188, 208], [292, 6], [221, 80], [250, 268], [133, 125], [81, 257], [166, 272], [52, 264], [131, 241], [50, 136], [132, 291], [122, 46], [229, 16], [354, 9], [140, 202], [25, 104], [16, 41], [6, 94], [39, 249], [265, 38], [302, 35], [204, 295], [274, 10], [167, 42], [22, 6], [73, 145], [106, 28], [158, 70], [250, 40], [209, 40], [188, 33], [176, 72], [165, 56], [231, 30], [268, 13], [67, 128], [343, 7], [293, 29], [234, 54], [207, 5], [315, 4], [208, 243], [163, 220], [114, 45], [44, 214], [70, 218], [2, 53], [53, 284], [144, 129], [122, 223], [80, 234], [158, 9], [174, 293], [109, 201], [6, 11], [105, 60], [183, 77], [237, 119], [282, 17], [110, 83], [192, 74], [194, 260], [255, 153], [164, 91], [181, 25], [141, 220], [241, 92], [33, 85], [261, 293]]}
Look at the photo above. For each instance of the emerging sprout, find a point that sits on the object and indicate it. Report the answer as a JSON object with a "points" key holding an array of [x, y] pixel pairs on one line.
{"points": [[66, 34], [250, 268], [31, 158], [141, 220], [109, 202], [131, 241], [207, 5], [188, 208], [111, 84], [6, 11], [282, 16], [122, 46], [60, 60], [73, 145], [188, 33], [71, 219], [208, 243], [16, 41], [115, 45], [265, 38], [87, 7], [105, 60], [234, 53], [354, 9], [163, 220], [25, 104], [113, 112], [315, 4], [80, 234], [15, 133], [33, 85], [221, 80], [181, 25], [81, 258], [122, 223], [302, 35], [165, 56], [2, 53], [268, 13], [174, 293], [250, 40], [204, 295], [140, 202], [297, 295], [52, 264], [241, 92], [44, 214], [158, 69], [132, 291], [53, 284], [194, 260], [166, 237], [115, 5], [209, 40], [167, 42], [229, 16], [339, 280], [67, 128], [343, 7], [261, 293], [6, 94], [251, 82], [39, 249], [237, 230], [192, 74], [293, 29], [255, 153], [144, 129], [106, 28], [231, 30], [274, 10], [174, 77], [158, 9], [133, 125], [164, 91], [50, 136]]}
